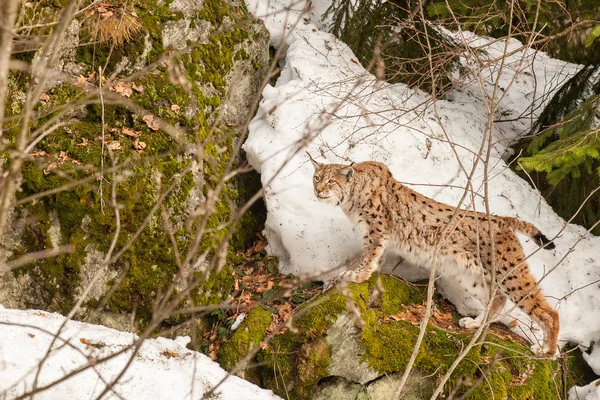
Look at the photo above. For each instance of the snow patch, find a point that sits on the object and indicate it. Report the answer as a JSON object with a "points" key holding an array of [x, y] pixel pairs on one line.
{"points": [[161, 369]]}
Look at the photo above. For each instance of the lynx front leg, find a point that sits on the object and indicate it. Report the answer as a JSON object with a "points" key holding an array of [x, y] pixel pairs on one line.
{"points": [[373, 247]]}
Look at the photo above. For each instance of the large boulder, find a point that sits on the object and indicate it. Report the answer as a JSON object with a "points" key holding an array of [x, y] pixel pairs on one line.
{"points": [[181, 78]]}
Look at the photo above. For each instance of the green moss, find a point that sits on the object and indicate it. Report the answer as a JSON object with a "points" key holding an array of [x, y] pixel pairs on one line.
{"points": [[214, 11], [388, 345], [297, 360], [247, 336]]}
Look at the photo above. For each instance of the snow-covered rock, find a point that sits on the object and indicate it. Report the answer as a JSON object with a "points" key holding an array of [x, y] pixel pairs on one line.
{"points": [[33, 343], [588, 392], [324, 102]]}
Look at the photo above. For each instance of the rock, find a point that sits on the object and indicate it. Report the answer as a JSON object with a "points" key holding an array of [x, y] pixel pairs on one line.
{"points": [[338, 388], [346, 351], [355, 343], [171, 128]]}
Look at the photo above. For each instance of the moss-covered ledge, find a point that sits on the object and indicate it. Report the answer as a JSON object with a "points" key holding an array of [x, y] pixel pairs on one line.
{"points": [[217, 73], [331, 349]]}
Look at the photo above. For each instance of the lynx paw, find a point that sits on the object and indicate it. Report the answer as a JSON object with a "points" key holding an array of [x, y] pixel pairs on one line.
{"points": [[543, 351], [469, 323], [355, 276]]}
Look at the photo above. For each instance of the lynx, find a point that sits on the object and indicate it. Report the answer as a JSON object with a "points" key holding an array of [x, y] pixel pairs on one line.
{"points": [[388, 212]]}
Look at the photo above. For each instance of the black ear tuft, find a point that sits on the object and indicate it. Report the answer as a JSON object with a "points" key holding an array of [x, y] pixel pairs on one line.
{"points": [[348, 172], [315, 164]]}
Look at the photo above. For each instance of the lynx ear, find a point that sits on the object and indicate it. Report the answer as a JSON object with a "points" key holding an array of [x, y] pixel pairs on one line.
{"points": [[314, 163], [348, 172]]}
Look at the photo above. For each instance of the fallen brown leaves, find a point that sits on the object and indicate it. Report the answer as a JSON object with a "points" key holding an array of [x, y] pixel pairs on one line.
{"points": [[415, 313], [258, 284], [126, 89], [442, 318], [62, 158]]}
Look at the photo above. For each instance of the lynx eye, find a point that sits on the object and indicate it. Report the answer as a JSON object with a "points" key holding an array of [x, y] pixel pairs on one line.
{"points": [[317, 179], [331, 181]]}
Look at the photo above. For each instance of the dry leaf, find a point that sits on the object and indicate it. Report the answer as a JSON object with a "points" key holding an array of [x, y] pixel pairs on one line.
{"points": [[50, 167], [85, 341], [149, 120], [114, 145], [175, 108], [39, 314], [139, 146], [81, 81], [84, 142], [168, 353], [130, 132], [513, 323], [123, 88], [139, 89], [272, 110], [44, 97], [31, 335]]}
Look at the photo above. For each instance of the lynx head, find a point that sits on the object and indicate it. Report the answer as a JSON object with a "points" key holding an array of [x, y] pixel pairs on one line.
{"points": [[332, 182]]}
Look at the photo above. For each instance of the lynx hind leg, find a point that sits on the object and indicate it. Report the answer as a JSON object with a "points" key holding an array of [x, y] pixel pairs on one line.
{"points": [[498, 303], [519, 285]]}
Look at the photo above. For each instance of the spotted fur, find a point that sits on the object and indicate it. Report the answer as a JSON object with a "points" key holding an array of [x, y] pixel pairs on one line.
{"points": [[388, 212]]}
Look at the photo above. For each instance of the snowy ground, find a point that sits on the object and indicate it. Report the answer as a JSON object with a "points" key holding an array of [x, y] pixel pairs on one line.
{"points": [[162, 368], [326, 103]]}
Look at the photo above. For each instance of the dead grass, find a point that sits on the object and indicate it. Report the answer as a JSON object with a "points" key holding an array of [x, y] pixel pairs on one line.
{"points": [[108, 23]]}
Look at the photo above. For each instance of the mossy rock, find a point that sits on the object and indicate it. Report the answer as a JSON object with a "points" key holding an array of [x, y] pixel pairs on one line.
{"points": [[348, 342], [246, 337], [199, 86]]}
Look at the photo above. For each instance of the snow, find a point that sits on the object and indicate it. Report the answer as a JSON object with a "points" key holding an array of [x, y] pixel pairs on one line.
{"points": [[27, 337], [324, 102], [588, 392]]}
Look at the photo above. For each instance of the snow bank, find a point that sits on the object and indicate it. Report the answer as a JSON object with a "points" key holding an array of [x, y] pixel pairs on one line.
{"points": [[326, 103], [588, 392], [162, 369]]}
